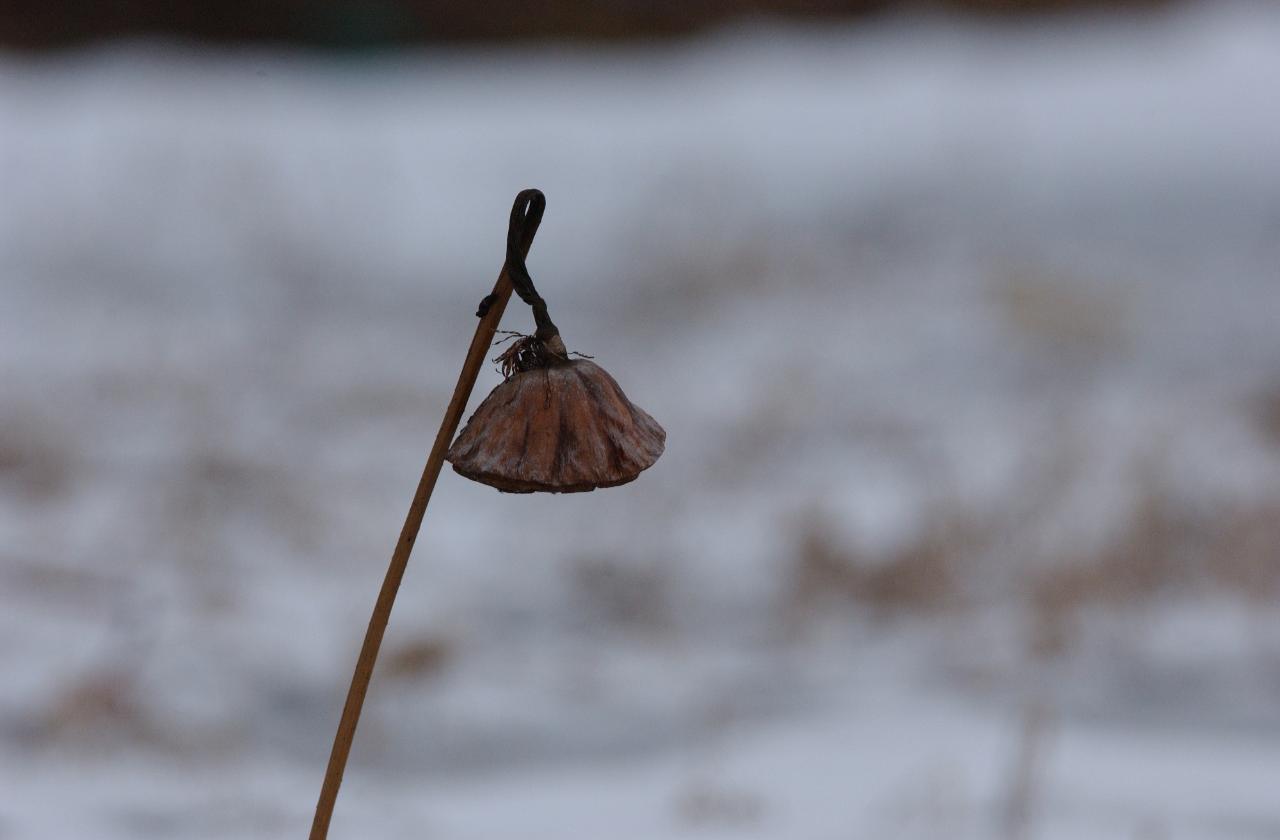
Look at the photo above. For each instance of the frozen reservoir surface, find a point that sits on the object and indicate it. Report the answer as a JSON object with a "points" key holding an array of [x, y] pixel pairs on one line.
{"points": [[966, 337]]}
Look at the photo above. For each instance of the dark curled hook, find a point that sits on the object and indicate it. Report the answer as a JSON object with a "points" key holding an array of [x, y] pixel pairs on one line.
{"points": [[526, 215]]}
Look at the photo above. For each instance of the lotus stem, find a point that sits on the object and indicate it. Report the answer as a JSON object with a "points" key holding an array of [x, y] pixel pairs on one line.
{"points": [[525, 216]]}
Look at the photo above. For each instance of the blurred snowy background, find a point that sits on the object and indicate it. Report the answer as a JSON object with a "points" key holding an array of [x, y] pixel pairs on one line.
{"points": [[965, 333]]}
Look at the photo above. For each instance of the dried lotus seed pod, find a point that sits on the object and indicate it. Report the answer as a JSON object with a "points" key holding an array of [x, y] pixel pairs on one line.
{"points": [[555, 425], [562, 426]]}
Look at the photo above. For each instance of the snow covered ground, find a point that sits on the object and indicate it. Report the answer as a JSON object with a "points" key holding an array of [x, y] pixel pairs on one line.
{"points": [[964, 336]]}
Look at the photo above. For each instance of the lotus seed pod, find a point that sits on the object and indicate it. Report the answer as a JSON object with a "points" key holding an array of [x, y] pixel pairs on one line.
{"points": [[562, 426]]}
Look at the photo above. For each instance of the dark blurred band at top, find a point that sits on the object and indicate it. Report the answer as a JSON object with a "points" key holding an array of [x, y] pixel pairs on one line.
{"points": [[376, 23]]}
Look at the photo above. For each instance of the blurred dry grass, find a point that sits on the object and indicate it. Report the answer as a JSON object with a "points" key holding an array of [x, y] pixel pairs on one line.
{"points": [[35, 459], [614, 594], [919, 577], [102, 709], [1161, 548], [420, 658], [1267, 415]]}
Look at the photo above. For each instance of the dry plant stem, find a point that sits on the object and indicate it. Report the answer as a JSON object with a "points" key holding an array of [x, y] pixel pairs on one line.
{"points": [[530, 203]]}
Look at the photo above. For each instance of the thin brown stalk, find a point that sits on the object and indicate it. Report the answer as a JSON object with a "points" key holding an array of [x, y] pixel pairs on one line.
{"points": [[527, 213]]}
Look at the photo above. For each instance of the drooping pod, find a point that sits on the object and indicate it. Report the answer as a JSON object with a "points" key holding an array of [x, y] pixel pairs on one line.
{"points": [[556, 424], [583, 434], [563, 428]]}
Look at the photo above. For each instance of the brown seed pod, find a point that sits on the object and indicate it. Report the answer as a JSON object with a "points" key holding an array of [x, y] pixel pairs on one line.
{"points": [[555, 425], [562, 427]]}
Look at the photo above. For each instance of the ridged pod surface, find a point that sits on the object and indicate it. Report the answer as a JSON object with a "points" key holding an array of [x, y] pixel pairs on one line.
{"points": [[565, 428]]}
